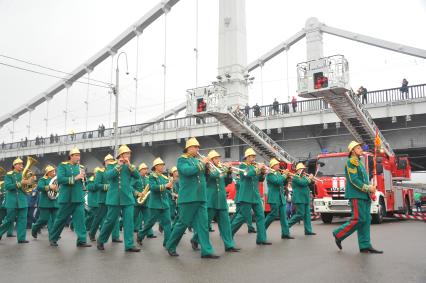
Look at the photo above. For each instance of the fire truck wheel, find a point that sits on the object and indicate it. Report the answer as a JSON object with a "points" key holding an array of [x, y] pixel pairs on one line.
{"points": [[378, 218], [326, 218]]}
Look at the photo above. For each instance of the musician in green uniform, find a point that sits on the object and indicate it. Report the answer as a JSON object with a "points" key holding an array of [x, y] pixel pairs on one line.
{"points": [[47, 202], [218, 177], [301, 199], [71, 180], [172, 193], [3, 210], [141, 210], [120, 198], [158, 204], [92, 199], [249, 197], [16, 201], [102, 186], [358, 191], [192, 200], [276, 181], [249, 223]]}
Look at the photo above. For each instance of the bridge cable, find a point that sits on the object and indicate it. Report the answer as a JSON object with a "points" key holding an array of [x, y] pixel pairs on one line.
{"points": [[136, 78], [196, 43], [164, 64]]}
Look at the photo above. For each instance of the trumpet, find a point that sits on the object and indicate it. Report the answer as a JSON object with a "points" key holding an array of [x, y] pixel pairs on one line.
{"points": [[210, 163], [83, 172], [306, 175], [172, 189]]}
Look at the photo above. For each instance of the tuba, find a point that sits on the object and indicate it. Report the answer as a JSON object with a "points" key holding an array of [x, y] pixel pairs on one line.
{"points": [[143, 196], [51, 194], [28, 174]]}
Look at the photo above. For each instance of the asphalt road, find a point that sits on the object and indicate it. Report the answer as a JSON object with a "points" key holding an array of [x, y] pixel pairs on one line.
{"points": [[304, 259]]}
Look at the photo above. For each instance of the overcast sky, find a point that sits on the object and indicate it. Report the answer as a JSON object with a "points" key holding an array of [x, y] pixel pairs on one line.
{"points": [[63, 34]]}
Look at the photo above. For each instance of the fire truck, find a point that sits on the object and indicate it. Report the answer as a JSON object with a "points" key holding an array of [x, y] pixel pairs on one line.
{"points": [[328, 78]]}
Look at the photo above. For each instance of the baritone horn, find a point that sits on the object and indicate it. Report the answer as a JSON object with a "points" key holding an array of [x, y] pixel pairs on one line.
{"points": [[53, 194], [27, 174]]}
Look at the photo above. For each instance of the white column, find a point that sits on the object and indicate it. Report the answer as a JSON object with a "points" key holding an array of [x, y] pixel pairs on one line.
{"points": [[314, 44]]}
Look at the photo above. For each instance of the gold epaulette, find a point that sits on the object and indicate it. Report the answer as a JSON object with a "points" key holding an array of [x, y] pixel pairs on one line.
{"points": [[354, 161], [65, 162], [45, 177], [91, 178], [101, 170], [185, 155], [10, 172]]}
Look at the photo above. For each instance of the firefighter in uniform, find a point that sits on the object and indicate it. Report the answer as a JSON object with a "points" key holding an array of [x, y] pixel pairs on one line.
{"points": [[71, 180], [217, 180], [16, 201], [3, 210], [276, 198], [141, 210], [158, 203], [358, 192], [102, 186], [48, 207], [120, 199], [192, 200], [249, 197], [92, 199], [301, 199]]}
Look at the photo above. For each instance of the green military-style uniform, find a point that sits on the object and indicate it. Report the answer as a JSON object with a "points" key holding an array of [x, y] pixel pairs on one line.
{"points": [[48, 207], [16, 205], [237, 206], [92, 201], [158, 204], [217, 205], [357, 191], [249, 198], [277, 200], [119, 198], [71, 202], [301, 199], [192, 204], [101, 185], [3, 210], [172, 201], [141, 210]]}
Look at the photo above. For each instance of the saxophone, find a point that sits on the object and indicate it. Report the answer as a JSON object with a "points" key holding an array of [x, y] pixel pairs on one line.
{"points": [[28, 174], [143, 196]]}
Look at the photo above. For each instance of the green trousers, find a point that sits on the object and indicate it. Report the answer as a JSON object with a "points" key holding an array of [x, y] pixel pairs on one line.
{"points": [[3, 213], [360, 221], [90, 216], [46, 216], [141, 215], [99, 220], [303, 212], [20, 215], [278, 210], [111, 221], [192, 214], [224, 224], [157, 215], [64, 212], [243, 217], [249, 219]]}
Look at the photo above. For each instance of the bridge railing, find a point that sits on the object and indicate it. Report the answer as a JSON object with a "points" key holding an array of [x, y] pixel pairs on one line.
{"points": [[377, 96]]}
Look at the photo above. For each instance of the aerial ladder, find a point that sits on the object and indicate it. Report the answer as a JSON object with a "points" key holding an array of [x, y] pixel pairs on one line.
{"points": [[210, 101]]}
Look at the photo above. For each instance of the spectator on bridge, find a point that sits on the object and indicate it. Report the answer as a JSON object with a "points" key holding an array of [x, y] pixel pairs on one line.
{"points": [[275, 106], [404, 89], [286, 109], [2, 145], [418, 201], [90, 135], [26, 141], [52, 138], [247, 110], [362, 94], [294, 103], [256, 110], [56, 138]]}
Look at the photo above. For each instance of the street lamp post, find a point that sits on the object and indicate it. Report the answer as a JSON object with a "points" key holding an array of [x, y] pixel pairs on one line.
{"points": [[116, 92]]}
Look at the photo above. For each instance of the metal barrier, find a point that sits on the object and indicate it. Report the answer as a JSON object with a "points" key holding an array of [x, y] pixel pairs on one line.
{"points": [[377, 96]]}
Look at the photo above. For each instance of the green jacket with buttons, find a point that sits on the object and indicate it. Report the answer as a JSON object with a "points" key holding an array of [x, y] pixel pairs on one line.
{"points": [[92, 193], [300, 186], [216, 191], [357, 184], [192, 181], [15, 197], [159, 197], [43, 187], [120, 191], [276, 183], [249, 184], [70, 189], [102, 185]]}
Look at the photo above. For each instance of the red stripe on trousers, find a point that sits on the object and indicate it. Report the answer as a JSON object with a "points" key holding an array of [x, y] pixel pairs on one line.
{"points": [[353, 222]]}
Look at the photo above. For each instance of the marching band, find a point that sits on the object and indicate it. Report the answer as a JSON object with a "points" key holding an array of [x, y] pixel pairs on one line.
{"points": [[190, 195]]}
